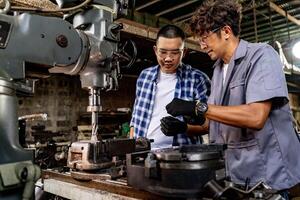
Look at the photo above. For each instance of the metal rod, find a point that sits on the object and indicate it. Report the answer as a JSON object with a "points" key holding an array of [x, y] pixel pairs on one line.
{"points": [[287, 23], [146, 5], [182, 18], [175, 8], [254, 20], [271, 23], [289, 36]]}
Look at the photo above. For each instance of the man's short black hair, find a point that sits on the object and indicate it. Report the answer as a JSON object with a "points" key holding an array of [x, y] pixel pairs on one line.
{"points": [[171, 31]]}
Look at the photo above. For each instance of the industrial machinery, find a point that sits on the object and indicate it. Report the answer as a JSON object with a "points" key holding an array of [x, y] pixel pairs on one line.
{"points": [[84, 40], [176, 172], [190, 172], [81, 40]]}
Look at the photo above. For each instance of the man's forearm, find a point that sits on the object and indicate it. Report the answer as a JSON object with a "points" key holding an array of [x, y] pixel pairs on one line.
{"points": [[131, 133], [252, 115]]}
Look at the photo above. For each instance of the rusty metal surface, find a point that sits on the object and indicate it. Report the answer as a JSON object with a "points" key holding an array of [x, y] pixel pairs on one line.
{"points": [[86, 176], [80, 154], [117, 187], [33, 3], [94, 155], [75, 192]]}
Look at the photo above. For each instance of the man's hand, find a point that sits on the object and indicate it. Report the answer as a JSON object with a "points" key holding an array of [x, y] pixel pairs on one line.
{"points": [[197, 120], [181, 107], [171, 126]]}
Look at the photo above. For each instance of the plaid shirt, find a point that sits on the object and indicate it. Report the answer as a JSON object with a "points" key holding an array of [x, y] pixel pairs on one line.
{"points": [[191, 84]]}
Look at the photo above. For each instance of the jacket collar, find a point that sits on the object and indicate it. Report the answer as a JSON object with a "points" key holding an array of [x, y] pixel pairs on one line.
{"points": [[239, 53]]}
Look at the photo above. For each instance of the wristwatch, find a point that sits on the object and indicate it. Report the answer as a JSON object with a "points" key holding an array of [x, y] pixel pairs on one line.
{"points": [[201, 108]]}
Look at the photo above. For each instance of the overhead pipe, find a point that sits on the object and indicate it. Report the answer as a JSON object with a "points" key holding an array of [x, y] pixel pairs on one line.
{"points": [[271, 23], [175, 8], [146, 5]]}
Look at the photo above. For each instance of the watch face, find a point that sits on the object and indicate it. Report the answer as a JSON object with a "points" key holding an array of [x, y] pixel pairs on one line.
{"points": [[202, 108]]}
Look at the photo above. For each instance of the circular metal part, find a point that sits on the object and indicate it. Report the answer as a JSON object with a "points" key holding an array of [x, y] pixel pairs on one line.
{"points": [[211, 164], [107, 49], [169, 156], [202, 156], [202, 148], [81, 61], [24, 174], [6, 87], [175, 193], [62, 41], [176, 155], [178, 172], [6, 7]]}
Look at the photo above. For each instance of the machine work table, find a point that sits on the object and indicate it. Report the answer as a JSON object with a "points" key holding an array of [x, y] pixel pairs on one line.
{"points": [[63, 185]]}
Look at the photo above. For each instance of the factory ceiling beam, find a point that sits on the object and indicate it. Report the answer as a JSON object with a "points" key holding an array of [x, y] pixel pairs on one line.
{"points": [[175, 8], [283, 13], [150, 33], [280, 22], [181, 20], [254, 20], [248, 21], [266, 28], [146, 5], [280, 35]]}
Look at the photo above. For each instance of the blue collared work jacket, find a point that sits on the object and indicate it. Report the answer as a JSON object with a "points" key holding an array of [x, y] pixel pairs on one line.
{"points": [[271, 154]]}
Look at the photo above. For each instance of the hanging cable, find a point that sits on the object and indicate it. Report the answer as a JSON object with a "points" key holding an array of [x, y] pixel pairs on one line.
{"points": [[254, 20], [289, 37], [287, 23], [271, 23]]}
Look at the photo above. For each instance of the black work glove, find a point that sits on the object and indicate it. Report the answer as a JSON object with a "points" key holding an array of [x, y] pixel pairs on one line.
{"points": [[171, 126], [181, 107], [196, 120]]}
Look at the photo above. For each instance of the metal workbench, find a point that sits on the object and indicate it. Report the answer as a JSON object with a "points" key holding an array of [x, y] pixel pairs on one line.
{"points": [[63, 185]]}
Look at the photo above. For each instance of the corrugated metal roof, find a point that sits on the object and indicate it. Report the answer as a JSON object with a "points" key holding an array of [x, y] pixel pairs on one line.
{"points": [[264, 15], [263, 21]]}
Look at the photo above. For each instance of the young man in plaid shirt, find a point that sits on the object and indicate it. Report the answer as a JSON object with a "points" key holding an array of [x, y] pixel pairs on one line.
{"points": [[158, 85]]}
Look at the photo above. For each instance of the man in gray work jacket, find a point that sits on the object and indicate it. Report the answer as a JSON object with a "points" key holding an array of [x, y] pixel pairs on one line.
{"points": [[248, 107]]}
